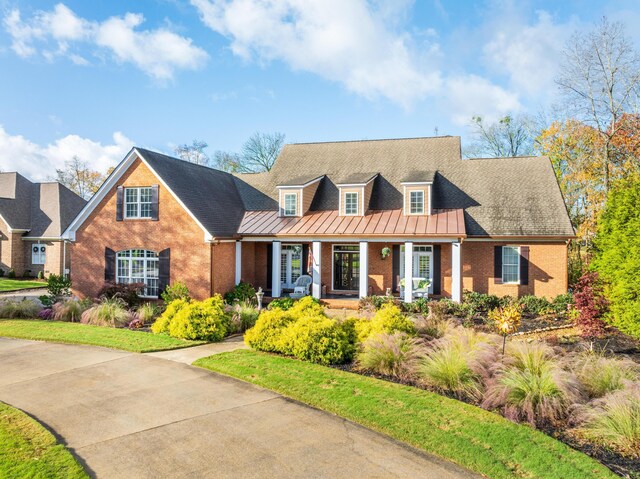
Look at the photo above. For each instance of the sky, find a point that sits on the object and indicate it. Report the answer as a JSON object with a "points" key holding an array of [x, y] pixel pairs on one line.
{"points": [[92, 79]]}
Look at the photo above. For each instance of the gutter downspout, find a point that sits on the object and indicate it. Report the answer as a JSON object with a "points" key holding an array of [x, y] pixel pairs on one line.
{"points": [[64, 258]]}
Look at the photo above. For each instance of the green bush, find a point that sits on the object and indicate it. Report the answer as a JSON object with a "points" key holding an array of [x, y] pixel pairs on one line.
{"points": [[24, 309], [389, 319], [306, 306], [174, 292], [70, 310], [394, 355], [110, 312], [281, 303], [561, 303], [479, 303], [617, 254], [614, 421], [375, 302], [267, 333], [201, 320], [161, 325], [317, 339], [11, 274], [242, 292], [58, 285], [534, 305], [147, 312], [40, 274]]}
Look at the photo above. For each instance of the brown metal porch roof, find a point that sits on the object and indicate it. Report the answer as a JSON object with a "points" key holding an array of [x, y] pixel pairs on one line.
{"points": [[443, 222]]}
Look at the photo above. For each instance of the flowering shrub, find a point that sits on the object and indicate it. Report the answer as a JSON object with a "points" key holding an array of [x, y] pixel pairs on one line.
{"points": [[591, 304], [136, 323], [46, 313]]}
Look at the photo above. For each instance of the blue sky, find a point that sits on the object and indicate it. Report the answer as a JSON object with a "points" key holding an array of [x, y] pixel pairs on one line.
{"points": [[94, 78]]}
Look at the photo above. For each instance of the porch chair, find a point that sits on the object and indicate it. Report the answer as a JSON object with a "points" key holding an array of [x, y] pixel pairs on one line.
{"points": [[301, 287]]}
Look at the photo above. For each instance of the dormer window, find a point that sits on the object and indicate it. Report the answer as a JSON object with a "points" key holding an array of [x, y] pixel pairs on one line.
{"points": [[351, 203], [290, 201], [416, 202]]}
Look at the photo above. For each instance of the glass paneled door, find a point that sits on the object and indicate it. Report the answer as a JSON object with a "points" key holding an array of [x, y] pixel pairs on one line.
{"points": [[290, 264], [346, 267]]}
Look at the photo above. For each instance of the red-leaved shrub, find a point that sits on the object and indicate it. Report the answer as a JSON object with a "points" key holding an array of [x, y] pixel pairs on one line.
{"points": [[591, 304]]}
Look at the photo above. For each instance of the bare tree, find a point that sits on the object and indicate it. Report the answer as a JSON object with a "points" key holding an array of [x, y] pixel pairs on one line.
{"points": [[79, 178], [258, 154], [510, 136], [193, 153], [600, 81]]}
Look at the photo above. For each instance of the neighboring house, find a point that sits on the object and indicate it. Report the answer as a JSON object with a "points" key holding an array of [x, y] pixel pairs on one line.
{"points": [[330, 210], [33, 217]]}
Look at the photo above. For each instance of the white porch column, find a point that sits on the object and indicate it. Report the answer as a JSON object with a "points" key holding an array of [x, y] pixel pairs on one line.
{"points": [[316, 253], [408, 272], [456, 272], [238, 262], [364, 269], [276, 266]]}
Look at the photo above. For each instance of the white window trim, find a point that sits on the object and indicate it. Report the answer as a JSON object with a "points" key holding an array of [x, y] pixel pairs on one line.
{"points": [[517, 248], [138, 202], [284, 204], [145, 261], [424, 195], [357, 212]]}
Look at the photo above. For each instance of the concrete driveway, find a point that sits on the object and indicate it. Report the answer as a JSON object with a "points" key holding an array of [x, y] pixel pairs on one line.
{"points": [[132, 416]]}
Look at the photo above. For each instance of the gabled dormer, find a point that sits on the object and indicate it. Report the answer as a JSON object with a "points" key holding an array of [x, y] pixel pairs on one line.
{"points": [[295, 198], [355, 194], [417, 191]]}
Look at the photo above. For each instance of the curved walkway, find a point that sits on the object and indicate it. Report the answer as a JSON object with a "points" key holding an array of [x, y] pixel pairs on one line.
{"points": [[128, 415]]}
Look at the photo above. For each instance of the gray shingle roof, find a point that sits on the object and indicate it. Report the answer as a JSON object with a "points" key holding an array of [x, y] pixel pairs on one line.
{"points": [[211, 195], [504, 196], [45, 209]]}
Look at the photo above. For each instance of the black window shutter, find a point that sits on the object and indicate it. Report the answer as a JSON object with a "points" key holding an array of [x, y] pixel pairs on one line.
{"points": [[395, 266], [305, 258], [119, 203], [164, 269], [269, 264], [109, 265], [497, 264], [154, 202], [437, 269], [524, 265]]}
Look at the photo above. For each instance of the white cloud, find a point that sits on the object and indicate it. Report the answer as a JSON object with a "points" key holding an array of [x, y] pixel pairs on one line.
{"points": [[348, 42], [53, 33], [40, 162], [529, 54], [471, 95]]}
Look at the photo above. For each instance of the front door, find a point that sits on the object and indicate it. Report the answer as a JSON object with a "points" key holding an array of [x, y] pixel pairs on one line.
{"points": [[346, 268], [290, 265]]}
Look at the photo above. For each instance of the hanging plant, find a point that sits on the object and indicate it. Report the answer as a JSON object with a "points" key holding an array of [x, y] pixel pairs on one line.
{"points": [[385, 252]]}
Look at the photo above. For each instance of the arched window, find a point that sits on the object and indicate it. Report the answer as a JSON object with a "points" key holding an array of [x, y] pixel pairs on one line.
{"points": [[139, 266]]}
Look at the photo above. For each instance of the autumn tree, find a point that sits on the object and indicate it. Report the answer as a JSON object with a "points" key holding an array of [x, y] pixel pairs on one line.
{"points": [[508, 137], [79, 177], [257, 154], [193, 153]]}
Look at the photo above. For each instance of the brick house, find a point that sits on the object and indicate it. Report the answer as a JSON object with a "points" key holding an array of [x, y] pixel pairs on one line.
{"points": [[33, 217], [359, 217]]}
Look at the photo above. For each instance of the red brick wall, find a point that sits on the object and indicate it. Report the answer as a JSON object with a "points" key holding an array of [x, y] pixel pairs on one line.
{"points": [[548, 269], [223, 267], [380, 270], [190, 255], [248, 274]]}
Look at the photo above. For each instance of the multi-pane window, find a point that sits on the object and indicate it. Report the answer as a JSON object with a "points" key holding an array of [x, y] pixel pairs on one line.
{"points": [[416, 202], [138, 202], [139, 266], [290, 204], [38, 254], [351, 203], [510, 264]]}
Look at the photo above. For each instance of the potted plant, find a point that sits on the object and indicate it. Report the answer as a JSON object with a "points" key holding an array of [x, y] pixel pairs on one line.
{"points": [[385, 252]]}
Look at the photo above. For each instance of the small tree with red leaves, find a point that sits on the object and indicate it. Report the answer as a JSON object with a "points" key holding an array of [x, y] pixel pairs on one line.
{"points": [[591, 304]]}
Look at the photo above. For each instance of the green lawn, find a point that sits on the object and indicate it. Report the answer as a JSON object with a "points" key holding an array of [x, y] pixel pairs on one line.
{"points": [[18, 284], [75, 333], [472, 437], [28, 450]]}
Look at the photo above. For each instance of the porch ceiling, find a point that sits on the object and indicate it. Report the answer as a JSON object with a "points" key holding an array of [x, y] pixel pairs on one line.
{"points": [[444, 222]]}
